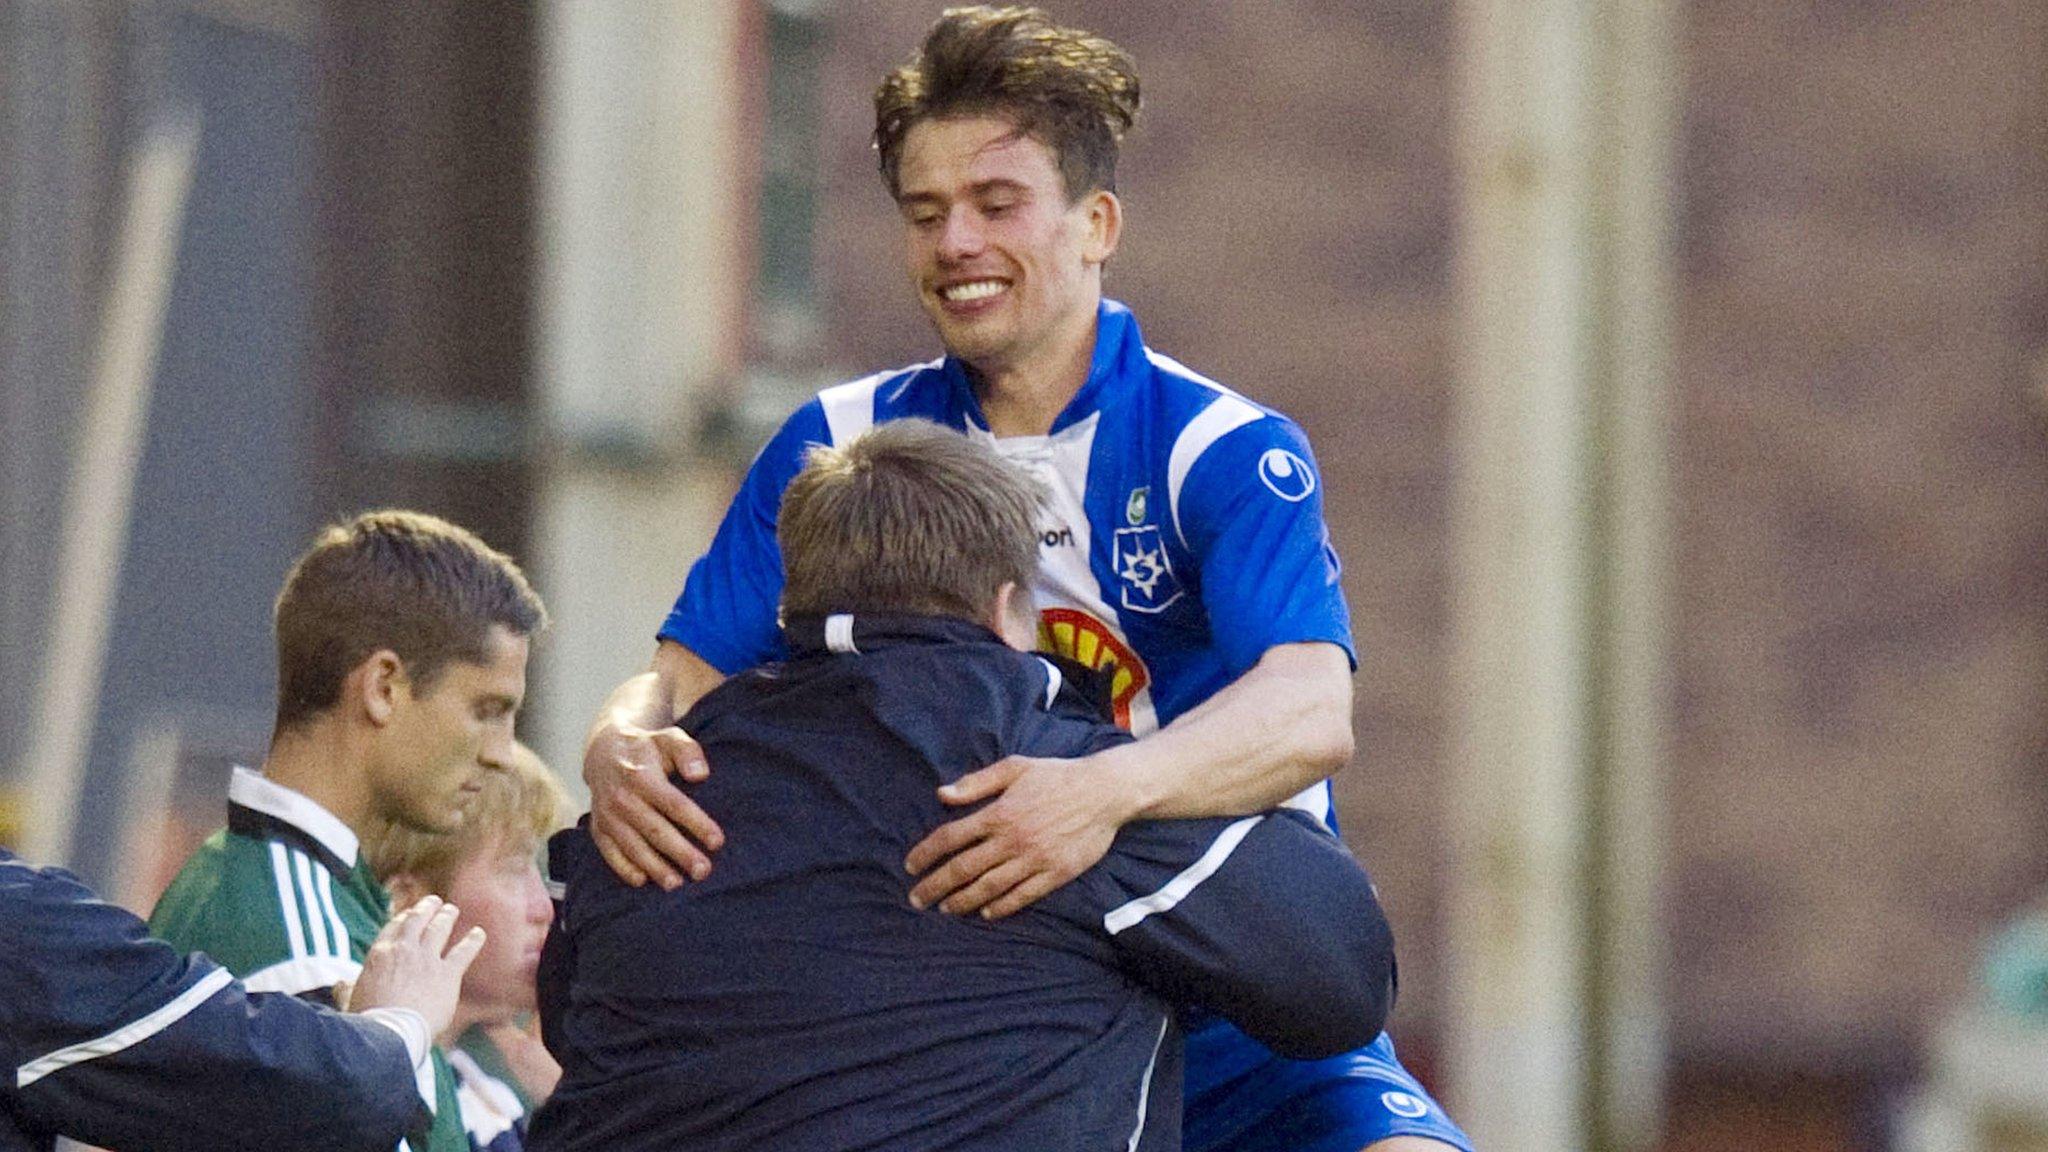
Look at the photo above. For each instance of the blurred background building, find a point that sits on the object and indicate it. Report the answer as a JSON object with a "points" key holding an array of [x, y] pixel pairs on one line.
{"points": [[554, 270]]}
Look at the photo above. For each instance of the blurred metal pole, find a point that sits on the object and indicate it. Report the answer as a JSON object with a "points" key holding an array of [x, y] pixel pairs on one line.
{"points": [[645, 210], [106, 456], [1560, 538]]}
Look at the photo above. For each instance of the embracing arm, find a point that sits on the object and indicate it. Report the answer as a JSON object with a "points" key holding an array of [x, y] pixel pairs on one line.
{"points": [[1282, 726], [1279, 728], [645, 827]]}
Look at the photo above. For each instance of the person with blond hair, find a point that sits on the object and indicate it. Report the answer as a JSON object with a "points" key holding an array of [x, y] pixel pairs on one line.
{"points": [[489, 867]]}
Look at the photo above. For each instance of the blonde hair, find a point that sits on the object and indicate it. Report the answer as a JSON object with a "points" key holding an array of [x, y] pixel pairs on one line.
{"points": [[522, 805]]}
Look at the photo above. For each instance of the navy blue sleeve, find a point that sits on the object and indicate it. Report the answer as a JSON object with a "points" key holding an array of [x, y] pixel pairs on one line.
{"points": [[728, 608], [115, 1039], [1251, 511], [1267, 921]]}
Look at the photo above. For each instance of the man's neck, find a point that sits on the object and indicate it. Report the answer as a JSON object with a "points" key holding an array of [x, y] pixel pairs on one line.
{"points": [[318, 761], [458, 1024], [1025, 397]]}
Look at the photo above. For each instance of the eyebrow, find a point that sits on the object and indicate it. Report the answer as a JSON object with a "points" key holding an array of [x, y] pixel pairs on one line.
{"points": [[978, 188]]}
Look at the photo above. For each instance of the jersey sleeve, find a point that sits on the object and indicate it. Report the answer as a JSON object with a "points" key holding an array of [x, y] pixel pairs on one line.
{"points": [[1267, 921], [116, 1039], [727, 611], [1251, 511]]}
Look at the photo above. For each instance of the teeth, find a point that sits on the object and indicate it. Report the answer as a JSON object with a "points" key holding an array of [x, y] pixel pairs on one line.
{"points": [[974, 290]]}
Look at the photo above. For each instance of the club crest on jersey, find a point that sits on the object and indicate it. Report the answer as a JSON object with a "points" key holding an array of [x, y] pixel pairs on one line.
{"points": [[1085, 640], [1144, 575], [1287, 475]]}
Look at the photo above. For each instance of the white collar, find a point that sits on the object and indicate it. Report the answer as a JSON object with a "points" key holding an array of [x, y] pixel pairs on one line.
{"points": [[259, 792]]}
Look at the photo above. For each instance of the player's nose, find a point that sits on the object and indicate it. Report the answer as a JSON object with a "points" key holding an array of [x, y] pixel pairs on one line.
{"points": [[961, 236], [496, 751]]}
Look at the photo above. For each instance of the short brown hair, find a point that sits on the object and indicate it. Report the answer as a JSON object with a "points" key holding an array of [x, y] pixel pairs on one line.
{"points": [[405, 581], [520, 806], [909, 517], [1073, 91]]}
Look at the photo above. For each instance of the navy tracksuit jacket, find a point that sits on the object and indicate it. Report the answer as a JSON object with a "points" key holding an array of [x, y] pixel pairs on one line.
{"points": [[794, 1000], [116, 1039]]}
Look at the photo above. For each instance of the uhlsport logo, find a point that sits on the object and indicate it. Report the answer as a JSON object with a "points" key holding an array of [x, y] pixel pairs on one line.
{"points": [[1135, 507], [1404, 1105], [1287, 475], [1144, 575], [1060, 537], [1085, 640]]}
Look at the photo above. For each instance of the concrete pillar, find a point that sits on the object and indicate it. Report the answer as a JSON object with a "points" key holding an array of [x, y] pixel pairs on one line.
{"points": [[1560, 541], [643, 275]]}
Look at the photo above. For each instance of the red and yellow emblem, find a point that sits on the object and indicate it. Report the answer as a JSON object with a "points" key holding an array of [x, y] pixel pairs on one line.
{"points": [[1085, 640]]}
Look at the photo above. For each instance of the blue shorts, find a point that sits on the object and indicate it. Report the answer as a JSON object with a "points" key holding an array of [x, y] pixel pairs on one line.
{"points": [[1340, 1104]]}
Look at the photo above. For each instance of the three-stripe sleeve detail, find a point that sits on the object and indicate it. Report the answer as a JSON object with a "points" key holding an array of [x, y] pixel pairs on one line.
{"points": [[287, 898], [313, 927], [309, 904]]}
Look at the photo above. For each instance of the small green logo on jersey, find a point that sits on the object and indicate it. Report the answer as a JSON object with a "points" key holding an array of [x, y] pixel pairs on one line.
{"points": [[1134, 508]]}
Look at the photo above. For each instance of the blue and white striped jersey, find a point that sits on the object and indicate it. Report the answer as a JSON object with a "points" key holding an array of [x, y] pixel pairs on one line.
{"points": [[1184, 532], [1184, 537]]}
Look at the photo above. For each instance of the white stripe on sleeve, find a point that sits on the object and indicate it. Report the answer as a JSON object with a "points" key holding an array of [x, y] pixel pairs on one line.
{"points": [[309, 899], [1125, 915], [1224, 415], [850, 408], [287, 902], [128, 1035], [341, 942]]}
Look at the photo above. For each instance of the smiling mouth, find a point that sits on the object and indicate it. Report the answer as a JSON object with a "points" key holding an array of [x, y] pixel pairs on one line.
{"points": [[972, 291]]}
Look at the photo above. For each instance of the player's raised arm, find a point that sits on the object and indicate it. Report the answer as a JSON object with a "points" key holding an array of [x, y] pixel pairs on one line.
{"points": [[644, 825]]}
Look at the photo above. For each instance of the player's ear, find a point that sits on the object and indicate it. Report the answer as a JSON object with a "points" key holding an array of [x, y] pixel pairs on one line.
{"points": [[375, 684], [1105, 224], [1015, 617]]}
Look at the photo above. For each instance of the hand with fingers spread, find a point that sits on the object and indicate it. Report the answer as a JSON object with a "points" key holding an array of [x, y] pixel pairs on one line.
{"points": [[645, 826], [412, 965], [1050, 821]]}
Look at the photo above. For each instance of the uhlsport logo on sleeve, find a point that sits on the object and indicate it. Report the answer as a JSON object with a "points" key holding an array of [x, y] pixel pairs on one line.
{"points": [[1144, 575], [1287, 475]]}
